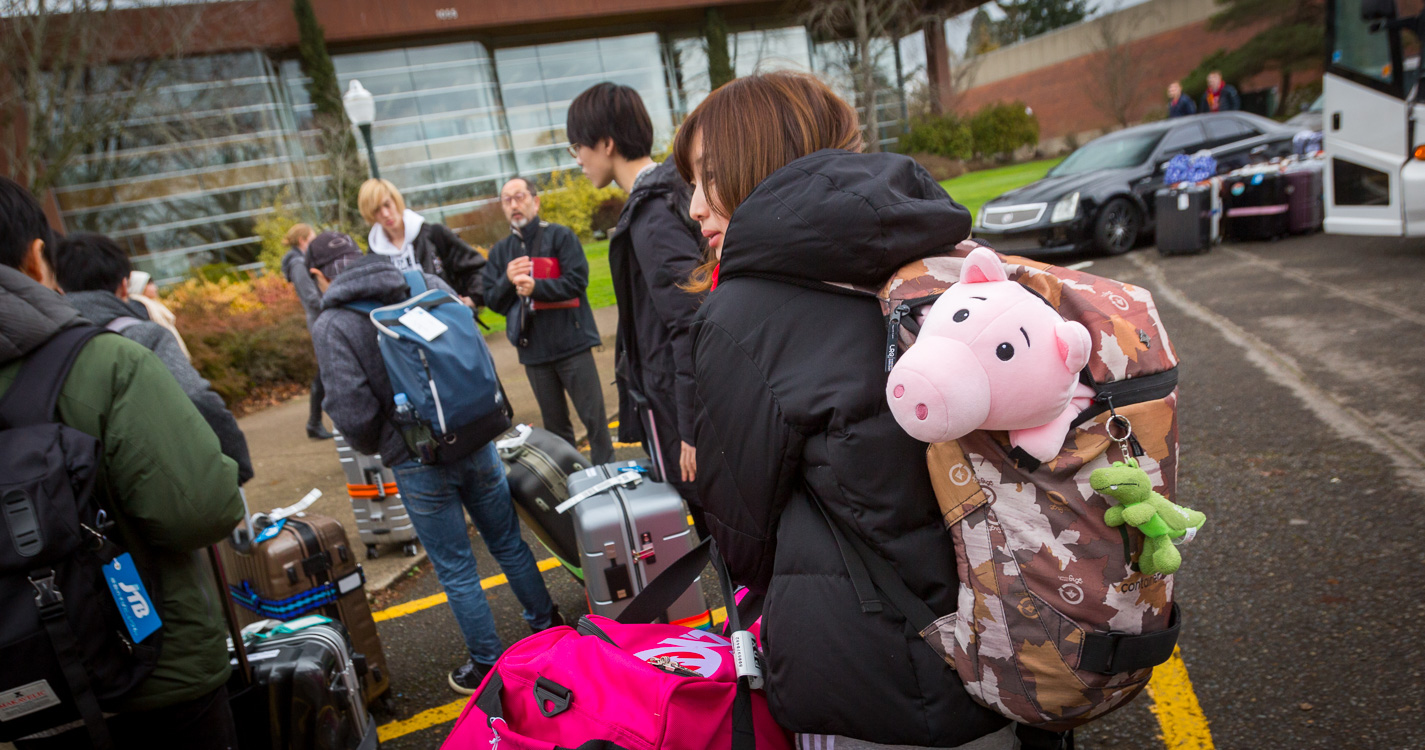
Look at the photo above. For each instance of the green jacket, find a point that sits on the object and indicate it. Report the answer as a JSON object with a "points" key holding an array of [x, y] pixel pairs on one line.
{"points": [[167, 481]]}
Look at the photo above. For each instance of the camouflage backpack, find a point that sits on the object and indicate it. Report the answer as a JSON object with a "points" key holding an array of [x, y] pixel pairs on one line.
{"points": [[1055, 625]]}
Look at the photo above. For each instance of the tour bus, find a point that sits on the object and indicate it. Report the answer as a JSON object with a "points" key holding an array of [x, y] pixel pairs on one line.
{"points": [[1373, 120]]}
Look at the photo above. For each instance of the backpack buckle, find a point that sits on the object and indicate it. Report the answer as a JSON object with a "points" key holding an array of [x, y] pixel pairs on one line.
{"points": [[46, 595]]}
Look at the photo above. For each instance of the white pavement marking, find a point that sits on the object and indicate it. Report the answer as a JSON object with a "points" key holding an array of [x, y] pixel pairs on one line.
{"points": [[1280, 367], [1396, 311]]}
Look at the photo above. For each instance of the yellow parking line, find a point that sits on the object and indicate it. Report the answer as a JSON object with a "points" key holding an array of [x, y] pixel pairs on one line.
{"points": [[1175, 704], [423, 720], [435, 600]]}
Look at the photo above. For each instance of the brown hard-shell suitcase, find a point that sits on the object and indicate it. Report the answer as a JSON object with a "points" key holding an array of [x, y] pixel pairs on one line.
{"points": [[308, 567]]}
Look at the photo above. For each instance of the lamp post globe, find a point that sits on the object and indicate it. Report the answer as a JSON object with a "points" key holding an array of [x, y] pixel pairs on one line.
{"points": [[361, 109]]}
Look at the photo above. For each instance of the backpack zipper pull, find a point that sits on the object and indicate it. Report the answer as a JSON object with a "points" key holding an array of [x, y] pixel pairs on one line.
{"points": [[893, 333]]}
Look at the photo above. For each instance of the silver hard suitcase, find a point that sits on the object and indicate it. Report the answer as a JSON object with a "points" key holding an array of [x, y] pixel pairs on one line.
{"points": [[628, 530], [380, 515]]}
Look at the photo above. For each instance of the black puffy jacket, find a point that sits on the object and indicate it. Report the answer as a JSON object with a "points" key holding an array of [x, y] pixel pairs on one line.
{"points": [[791, 384]]}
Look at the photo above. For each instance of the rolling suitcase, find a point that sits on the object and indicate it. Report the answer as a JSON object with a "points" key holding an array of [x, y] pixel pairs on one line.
{"points": [[538, 464], [305, 567], [1257, 206], [1305, 196], [629, 529], [1184, 220], [296, 684], [380, 515]]}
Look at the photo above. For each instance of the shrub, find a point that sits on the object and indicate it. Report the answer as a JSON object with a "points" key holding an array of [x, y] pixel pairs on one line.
{"points": [[1002, 128], [248, 338], [606, 214], [481, 227], [946, 136], [570, 199], [940, 167]]}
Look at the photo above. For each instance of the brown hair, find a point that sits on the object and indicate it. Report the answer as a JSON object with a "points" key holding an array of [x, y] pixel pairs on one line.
{"points": [[297, 233], [752, 127]]}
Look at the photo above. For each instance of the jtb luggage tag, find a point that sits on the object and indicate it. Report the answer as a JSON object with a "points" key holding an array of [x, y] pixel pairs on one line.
{"points": [[423, 324], [131, 597]]}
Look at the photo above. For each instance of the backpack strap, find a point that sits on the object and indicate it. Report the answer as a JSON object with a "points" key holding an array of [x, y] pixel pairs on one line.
{"points": [[364, 307], [416, 280], [35, 392]]}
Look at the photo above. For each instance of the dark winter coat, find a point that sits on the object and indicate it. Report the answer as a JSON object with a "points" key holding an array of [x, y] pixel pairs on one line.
{"points": [[166, 482], [359, 398], [552, 333], [100, 308], [791, 385], [1182, 107], [651, 251], [1231, 100], [294, 267], [442, 253]]}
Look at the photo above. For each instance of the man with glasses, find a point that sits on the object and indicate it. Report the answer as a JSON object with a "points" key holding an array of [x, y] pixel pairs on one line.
{"points": [[538, 279]]}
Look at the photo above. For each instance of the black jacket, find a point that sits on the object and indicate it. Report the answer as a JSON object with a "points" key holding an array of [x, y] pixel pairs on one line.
{"points": [[791, 387], [1183, 107], [651, 251], [556, 333], [1231, 100], [442, 253]]}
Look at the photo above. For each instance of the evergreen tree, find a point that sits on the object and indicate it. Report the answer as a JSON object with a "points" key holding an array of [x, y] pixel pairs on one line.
{"points": [[1028, 18], [325, 92], [984, 33], [1295, 41], [719, 65]]}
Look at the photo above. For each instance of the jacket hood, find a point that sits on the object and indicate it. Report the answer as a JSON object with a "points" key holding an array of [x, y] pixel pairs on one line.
{"points": [[99, 307], [370, 277], [380, 243], [663, 178], [842, 217], [29, 314]]}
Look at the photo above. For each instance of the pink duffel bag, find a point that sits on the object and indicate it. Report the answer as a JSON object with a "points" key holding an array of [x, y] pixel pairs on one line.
{"points": [[614, 684]]}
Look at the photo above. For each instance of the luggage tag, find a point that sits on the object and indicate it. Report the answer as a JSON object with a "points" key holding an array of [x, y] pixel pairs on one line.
{"points": [[131, 597], [270, 531], [423, 324]]}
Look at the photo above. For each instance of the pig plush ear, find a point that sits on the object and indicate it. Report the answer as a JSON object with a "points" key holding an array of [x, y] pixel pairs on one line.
{"points": [[1075, 344], [982, 265]]}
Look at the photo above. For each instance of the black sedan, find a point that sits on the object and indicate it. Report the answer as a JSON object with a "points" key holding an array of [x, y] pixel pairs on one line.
{"points": [[1101, 197]]}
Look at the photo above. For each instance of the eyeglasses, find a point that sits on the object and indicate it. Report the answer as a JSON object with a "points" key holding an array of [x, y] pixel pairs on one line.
{"points": [[574, 150], [510, 200]]}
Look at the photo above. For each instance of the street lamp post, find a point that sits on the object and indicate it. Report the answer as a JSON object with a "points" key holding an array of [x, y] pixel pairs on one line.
{"points": [[361, 109]]}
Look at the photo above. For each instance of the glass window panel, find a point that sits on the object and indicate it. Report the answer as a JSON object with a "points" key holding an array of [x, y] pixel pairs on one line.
{"points": [[439, 53], [348, 65]]}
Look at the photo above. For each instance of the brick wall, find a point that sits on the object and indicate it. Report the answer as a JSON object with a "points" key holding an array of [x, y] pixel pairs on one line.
{"points": [[1056, 93]]}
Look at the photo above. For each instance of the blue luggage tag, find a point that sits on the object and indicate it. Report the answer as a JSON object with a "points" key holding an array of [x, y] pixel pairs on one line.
{"points": [[270, 531], [131, 597]]}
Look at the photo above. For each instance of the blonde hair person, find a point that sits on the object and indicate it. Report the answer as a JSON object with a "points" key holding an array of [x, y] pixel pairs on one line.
{"points": [[299, 236], [409, 241], [144, 291]]}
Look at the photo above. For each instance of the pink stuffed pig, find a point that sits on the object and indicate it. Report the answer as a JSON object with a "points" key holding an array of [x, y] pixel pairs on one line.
{"points": [[992, 356]]}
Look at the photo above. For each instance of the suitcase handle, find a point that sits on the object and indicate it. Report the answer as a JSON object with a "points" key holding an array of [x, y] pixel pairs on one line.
{"points": [[229, 614]]}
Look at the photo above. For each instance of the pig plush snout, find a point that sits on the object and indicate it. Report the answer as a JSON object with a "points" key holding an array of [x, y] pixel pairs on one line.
{"points": [[938, 391]]}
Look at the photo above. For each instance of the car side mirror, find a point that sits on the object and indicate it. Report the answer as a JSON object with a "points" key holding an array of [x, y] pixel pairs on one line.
{"points": [[1378, 10]]}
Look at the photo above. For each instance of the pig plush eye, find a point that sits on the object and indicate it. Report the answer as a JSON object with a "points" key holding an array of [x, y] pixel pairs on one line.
{"points": [[1005, 352], [961, 315]]}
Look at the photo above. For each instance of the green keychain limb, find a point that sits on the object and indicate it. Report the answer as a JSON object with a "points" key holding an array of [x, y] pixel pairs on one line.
{"points": [[1160, 520]]}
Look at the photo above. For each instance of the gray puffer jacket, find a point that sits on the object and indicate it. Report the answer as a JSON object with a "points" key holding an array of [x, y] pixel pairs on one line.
{"points": [[100, 308], [359, 395]]}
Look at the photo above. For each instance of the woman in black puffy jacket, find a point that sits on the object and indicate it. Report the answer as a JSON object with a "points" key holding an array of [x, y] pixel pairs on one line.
{"points": [[790, 373]]}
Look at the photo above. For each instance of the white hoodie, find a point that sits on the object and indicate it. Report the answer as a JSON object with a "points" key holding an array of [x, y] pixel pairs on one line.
{"points": [[405, 256]]}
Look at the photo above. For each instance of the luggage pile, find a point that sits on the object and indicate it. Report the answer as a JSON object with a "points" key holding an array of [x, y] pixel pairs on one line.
{"points": [[1189, 209], [1256, 202]]}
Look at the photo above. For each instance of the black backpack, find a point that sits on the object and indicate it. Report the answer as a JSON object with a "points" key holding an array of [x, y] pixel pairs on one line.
{"points": [[66, 653]]}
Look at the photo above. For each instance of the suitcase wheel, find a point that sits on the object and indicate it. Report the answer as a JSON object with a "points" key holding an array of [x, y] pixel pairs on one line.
{"points": [[411, 549], [371, 552]]}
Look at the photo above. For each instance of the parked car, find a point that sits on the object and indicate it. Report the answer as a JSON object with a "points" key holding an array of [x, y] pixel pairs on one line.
{"points": [[1101, 197], [1309, 118]]}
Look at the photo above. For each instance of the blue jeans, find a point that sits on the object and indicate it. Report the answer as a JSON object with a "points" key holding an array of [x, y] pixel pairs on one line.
{"points": [[434, 497]]}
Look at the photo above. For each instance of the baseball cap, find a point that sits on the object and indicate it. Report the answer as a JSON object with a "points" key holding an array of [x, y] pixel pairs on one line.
{"points": [[331, 252]]}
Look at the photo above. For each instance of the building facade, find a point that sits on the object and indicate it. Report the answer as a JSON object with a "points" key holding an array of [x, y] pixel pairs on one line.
{"points": [[466, 97]]}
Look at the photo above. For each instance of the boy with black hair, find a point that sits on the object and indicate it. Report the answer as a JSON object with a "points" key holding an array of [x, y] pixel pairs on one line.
{"points": [[94, 271], [166, 485], [652, 251]]}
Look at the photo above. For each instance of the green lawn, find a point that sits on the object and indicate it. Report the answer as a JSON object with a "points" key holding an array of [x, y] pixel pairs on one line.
{"points": [[978, 188], [601, 285]]}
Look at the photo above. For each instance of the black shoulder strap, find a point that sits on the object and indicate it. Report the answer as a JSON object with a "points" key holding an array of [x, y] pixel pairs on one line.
{"points": [[869, 569], [33, 395]]}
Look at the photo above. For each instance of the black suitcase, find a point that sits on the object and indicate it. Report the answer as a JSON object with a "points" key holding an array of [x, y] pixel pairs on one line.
{"points": [[1184, 220], [296, 685], [1257, 206], [538, 464]]}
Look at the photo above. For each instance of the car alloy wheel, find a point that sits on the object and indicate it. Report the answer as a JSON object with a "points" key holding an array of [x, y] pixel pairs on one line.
{"points": [[1116, 231]]}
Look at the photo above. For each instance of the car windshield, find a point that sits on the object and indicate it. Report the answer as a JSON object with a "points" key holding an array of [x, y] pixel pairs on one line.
{"points": [[1109, 153]]}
